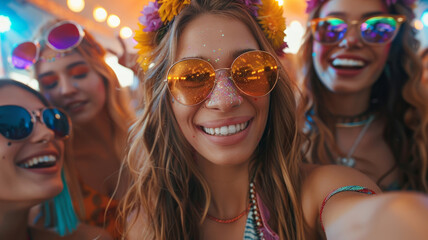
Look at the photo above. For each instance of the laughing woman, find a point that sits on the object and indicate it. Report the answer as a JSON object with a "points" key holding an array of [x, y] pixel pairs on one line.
{"points": [[32, 156], [361, 98], [216, 154], [74, 76]]}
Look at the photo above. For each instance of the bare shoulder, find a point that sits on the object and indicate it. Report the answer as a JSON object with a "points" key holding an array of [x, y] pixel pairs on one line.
{"points": [[319, 181]]}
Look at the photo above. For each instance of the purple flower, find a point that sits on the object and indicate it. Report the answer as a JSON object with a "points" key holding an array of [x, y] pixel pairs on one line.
{"points": [[280, 50], [312, 4], [251, 5], [151, 18]]}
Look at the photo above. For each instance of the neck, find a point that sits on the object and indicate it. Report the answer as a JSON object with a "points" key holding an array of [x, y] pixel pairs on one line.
{"points": [[14, 224], [347, 104], [229, 187], [98, 131]]}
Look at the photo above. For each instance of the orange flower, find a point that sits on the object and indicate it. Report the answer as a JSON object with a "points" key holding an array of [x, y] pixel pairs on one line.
{"points": [[170, 8], [144, 46], [272, 22]]}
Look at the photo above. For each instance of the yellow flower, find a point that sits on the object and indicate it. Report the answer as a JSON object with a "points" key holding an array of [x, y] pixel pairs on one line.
{"points": [[144, 46], [170, 8], [272, 22]]}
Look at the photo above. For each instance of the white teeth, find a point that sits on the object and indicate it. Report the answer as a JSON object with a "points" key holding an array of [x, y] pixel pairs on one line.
{"points": [[37, 160], [347, 62], [226, 130]]}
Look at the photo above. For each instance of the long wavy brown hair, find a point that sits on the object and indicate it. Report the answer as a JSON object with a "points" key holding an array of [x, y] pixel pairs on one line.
{"points": [[167, 189], [396, 100]]}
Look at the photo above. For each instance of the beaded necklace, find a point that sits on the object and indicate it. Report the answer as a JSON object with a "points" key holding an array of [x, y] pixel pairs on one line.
{"points": [[230, 220], [255, 211]]}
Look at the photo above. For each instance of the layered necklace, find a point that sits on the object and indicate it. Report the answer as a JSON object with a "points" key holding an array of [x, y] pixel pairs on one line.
{"points": [[365, 120], [256, 222]]}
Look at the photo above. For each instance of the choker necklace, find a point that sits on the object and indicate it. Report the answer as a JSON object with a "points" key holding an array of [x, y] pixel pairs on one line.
{"points": [[230, 220], [354, 121], [349, 161]]}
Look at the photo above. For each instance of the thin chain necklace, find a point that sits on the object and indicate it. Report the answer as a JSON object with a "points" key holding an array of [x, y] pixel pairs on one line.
{"points": [[349, 161]]}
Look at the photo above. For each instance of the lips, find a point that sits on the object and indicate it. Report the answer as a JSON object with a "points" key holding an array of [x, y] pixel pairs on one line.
{"points": [[40, 160], [226, 130], [74, 106]]}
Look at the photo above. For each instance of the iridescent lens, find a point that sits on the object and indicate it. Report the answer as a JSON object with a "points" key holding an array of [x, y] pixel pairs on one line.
{"points": [[329, 30], [64, 36], [15, 122], [255, 73], [379, 29], [57, 121], [190, 81], [24, 55]]}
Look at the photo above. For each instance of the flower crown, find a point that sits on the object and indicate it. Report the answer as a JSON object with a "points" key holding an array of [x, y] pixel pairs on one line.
{"points": [[156, 16], [312, 4]]}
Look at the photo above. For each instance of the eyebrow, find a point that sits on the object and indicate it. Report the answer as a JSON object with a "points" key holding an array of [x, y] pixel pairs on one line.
{"points": [[75, 64], [68, 68], [234, 54], [369, 14]]}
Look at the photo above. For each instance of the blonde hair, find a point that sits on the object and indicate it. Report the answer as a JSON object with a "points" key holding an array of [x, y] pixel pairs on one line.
{"points": [[397, 101], [117, 99], [167, 187]]}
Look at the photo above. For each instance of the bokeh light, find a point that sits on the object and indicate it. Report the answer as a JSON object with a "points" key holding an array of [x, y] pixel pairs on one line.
{"points": [[76, 5], [5, 24], [100, 14], [125, 32], [113, 21]]}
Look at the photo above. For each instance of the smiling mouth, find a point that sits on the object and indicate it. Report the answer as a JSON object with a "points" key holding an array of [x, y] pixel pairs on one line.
{"points": [[226, 130], [39, 162], [346, 63]]}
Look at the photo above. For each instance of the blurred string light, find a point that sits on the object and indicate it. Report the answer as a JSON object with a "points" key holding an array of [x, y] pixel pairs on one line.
{"points": [[100, 14], [125, 32], [294, 37], [76, 5], [280, 2], [5, 24], [418, 25], [424, 18], [113, 21]]}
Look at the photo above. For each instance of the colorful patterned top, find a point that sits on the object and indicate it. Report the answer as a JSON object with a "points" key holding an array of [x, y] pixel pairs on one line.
{"points": [[95, 210]]}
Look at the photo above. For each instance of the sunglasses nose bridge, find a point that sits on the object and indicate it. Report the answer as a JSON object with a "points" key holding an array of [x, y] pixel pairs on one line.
{"points": [[352, 35], [224, 95], [41, 132]]}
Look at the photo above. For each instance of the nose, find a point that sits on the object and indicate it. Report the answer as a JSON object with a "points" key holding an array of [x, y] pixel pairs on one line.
{"points": [[352, 37], [225, 95], [41, 133], [67, 86]]}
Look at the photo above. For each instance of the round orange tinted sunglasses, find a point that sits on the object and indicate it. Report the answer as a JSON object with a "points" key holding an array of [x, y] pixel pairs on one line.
{"points": [[254, 73]]}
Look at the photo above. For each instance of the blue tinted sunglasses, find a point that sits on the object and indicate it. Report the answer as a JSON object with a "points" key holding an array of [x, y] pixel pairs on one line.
{"points": [[17, 123]]}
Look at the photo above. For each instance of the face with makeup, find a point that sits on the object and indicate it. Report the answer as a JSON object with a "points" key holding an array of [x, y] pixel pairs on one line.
{"points": [[20, 183], [351, 66], [71, 83], [226, 128]]}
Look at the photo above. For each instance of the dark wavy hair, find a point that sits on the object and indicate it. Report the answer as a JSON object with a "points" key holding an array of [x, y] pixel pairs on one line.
{"points": [[393, 95]]}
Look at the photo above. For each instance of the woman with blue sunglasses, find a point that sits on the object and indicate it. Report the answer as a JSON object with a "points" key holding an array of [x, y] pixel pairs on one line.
{"points": [[35, 166], [72, 74], [361, 75]]}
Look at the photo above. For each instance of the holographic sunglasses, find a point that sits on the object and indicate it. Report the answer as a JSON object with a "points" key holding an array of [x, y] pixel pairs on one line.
{"points": [[254, 73], [379, 29], [17, 123], [61, 37]]}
